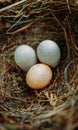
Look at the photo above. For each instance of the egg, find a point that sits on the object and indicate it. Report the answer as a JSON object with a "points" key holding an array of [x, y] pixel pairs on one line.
{"points": [[39, 76], [49, 53], [25, 57]]}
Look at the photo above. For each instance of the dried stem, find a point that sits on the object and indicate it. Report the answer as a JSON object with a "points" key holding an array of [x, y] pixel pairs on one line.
{"points": [[12, 5]]}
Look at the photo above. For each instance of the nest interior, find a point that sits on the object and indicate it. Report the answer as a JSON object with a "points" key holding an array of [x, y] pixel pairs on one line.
{"points": [[56, 106]]}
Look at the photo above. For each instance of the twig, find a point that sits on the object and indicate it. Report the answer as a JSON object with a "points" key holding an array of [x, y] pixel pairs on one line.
{"points": [[12, 5], [65, 71], [68, 5], [65, 74], [17, 22], [28, 25], [53, 112]]}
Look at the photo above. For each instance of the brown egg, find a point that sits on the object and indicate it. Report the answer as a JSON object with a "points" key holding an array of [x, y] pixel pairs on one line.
{"points": [[39, 76]]}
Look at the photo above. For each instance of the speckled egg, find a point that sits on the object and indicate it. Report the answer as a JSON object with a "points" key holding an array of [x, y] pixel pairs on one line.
{"points": [[39, 76]]}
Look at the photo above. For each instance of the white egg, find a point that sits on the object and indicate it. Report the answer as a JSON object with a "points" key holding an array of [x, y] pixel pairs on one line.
{"points": [[39, 76], [49, 53], [25, 57]]}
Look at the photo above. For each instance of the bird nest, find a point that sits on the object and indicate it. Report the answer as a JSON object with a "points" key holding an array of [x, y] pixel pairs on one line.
{"points": [[56, 106]]}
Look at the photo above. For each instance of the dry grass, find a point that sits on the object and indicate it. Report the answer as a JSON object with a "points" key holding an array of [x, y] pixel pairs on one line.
{"points": [[56, 106]]}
